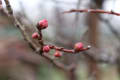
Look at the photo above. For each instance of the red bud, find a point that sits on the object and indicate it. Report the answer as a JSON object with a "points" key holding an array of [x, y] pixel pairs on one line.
{"points": [[42, 24], [78, 46], [46, 48], [35, 35]]}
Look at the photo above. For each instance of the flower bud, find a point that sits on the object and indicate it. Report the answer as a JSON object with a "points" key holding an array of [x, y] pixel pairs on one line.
{"points": [[35, 35], [78, 46], [57, 54], [46, 49], [42, 24]]}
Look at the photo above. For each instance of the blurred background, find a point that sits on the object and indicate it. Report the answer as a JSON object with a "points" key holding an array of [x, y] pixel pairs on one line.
{"points": [[101, 31]]}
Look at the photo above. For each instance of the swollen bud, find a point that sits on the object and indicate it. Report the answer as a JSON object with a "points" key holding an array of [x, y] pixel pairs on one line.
{"points": [[42, 24], [35, 35], [57, 54], [46, 49], [78, 47]]}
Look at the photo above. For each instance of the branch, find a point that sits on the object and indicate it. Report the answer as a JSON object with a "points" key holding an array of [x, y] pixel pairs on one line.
{"points": [[36, 48], [40, 49], [68, 50], [92, 11], [0, 4]]}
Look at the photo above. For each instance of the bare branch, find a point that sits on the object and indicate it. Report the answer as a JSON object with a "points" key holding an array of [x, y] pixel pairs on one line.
{"points": [[92, 11]]}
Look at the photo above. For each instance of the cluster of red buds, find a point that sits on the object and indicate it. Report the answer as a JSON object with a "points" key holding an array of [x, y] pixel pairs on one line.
{"points": [[43, 24]]}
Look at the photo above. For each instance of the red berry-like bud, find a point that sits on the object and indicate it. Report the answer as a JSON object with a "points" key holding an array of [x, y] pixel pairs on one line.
{"points": [[57, 54], [46, 49], [35, 35], [78, 46], [42, 24]]}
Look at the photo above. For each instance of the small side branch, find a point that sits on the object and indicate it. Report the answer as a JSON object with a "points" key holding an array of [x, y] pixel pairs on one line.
{"points": [[92, 11]]}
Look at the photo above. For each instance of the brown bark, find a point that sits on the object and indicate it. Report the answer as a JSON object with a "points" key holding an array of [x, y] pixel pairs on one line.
{"points": [[93, 38]]}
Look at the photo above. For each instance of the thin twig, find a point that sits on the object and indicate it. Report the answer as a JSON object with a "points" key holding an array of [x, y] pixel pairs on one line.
{"points": [[39, 49], [68, 50], [92, 11], [0, 4], [32, 44]]}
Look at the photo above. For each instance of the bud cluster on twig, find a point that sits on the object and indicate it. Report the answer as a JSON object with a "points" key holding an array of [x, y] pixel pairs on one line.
{"points": [[44, 49], [43, 24]]}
